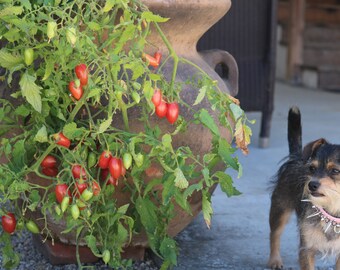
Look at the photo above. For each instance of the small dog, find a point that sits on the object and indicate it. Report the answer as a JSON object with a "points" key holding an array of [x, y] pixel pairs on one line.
{"points": [[309, 183]]}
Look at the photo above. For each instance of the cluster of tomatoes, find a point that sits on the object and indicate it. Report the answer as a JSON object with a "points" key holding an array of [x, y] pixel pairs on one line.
{"points": [[164, 109], [76, 86], [112, 168]]}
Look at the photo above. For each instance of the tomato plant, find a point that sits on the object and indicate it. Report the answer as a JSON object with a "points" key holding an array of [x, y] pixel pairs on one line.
{"points": [[82, 81]]}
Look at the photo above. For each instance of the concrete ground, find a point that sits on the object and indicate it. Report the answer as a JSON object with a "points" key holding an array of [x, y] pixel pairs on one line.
{"points": [[239, 235]]}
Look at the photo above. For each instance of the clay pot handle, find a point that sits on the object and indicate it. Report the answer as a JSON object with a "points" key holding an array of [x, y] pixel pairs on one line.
{"points": [[229, 67]]}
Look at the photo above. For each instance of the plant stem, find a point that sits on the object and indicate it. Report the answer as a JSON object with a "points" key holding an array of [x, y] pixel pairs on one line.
{"points": [[173, 55]]}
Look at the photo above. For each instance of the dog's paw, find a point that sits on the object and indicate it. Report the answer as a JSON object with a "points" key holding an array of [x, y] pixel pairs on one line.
{"points": [[275, 262]]}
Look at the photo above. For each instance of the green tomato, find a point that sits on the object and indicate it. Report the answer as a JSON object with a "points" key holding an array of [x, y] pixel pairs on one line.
{"points": [[91, 160], [87, 195], [32, 227], [106, 256], [80, 203], [139, 158], [65, 203], [57, 210], [75, 212], [136, 97], [29, 56], [71, 35], [127, 160], [51, 29]]}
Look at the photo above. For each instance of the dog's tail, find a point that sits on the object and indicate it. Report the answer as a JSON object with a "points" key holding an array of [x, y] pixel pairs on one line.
{"points": [[294, 131]]}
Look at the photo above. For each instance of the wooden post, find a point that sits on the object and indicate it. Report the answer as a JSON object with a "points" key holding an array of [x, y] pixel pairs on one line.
{"points": [[295, 47]]}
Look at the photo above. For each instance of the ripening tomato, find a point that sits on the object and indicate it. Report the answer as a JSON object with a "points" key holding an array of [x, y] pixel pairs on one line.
{"points": [[157, 97], [96, 188], [78, 172], [49, 162], [150, 60], [161, 109], [158, 56], [111, 181], [53, 172], [60, 139], [9, 223], [76, 91], [172, 112], [104, 159], [82, 73], [115, 167], [62, 190], [80, 187]]}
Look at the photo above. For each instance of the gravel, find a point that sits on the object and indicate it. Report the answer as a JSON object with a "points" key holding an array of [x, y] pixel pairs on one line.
{"points": [[30, 258]]}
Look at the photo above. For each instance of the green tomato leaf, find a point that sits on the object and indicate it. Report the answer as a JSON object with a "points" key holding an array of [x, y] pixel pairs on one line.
{"points": [[225, 152], [151, 17], [109, 5], [180, 180], [166, 141], [226, 183], [148, 214], [105, 125], [71, 131], [206, 208], [31, 91], [8, 60], [11, 10], [168, 250], [41, 135], [236, 110], [208, 121], [94, 26], [200, 95]]}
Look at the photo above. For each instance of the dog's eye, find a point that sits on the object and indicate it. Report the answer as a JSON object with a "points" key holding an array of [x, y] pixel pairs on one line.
{"points": [[335, 171], [312, 168]]}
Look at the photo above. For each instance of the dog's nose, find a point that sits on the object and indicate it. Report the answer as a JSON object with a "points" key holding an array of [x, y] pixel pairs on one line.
{"points": [[313, 185]]}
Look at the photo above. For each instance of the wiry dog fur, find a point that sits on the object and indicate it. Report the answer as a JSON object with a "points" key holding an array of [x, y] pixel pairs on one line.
{"points": [[312, 174]]}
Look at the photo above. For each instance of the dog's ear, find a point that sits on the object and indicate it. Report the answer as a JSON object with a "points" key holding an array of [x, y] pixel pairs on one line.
{"points": [[312, 147]]}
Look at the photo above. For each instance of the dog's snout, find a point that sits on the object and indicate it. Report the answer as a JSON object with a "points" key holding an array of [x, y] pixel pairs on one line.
{"points": [[313, 185]]}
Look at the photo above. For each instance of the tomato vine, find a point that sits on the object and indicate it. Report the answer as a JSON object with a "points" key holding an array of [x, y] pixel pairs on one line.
{"points": [[74, 70]]}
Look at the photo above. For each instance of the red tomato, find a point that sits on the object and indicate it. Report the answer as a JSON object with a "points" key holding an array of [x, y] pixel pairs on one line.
{"points": [[115, 167], [80, 187], [172, 112], [104, 159], [111, 180], [161, 109], [96, 188], [50, 171], [150, 60], [82, 73], [157, 97], [77, 92], [49, 162], [9, 223], [62, 190], [60, 139], [78, 172], [158, 56]]}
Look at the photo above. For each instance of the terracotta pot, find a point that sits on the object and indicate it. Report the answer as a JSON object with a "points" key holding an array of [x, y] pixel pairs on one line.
{"points": [[189, 20]]}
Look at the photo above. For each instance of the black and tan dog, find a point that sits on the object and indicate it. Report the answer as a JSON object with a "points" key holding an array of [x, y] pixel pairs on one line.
{"points": [[309, 183]]}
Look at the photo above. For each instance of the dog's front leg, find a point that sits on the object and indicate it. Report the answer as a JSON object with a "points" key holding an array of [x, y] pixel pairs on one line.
{"points": [[337, 266], [307, 259]]}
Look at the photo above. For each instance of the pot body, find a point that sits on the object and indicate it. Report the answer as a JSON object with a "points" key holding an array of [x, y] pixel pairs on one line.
{"points": [[189, 20]]}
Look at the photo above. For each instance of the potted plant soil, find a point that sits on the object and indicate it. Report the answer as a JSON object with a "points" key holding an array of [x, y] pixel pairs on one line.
{"points": [[111, 137]]}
